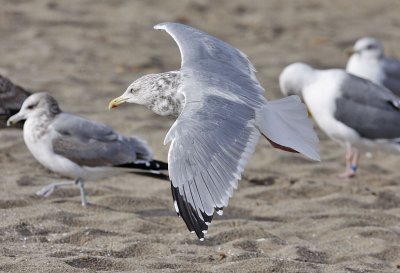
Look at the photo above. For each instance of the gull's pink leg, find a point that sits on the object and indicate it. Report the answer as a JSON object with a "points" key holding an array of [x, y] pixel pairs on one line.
{"points": [[352, 156]]}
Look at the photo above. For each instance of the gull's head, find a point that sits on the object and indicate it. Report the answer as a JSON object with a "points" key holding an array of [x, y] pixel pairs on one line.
{"points": [[294, 77], [140, 92], [367, 47], [36, 105]]}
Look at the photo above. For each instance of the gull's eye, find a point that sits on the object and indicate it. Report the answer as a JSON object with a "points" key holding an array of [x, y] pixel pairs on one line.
{"points": [[370, 47], [32, 106]]}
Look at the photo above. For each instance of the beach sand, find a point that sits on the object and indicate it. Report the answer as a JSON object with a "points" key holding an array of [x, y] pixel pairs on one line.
{"points": [[288, 215]]}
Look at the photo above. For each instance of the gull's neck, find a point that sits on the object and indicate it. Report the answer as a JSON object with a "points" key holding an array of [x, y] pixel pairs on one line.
{"points": [[35, 127], [164, 98]]}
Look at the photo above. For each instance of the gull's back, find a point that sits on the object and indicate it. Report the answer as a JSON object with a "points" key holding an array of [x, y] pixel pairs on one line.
{"points": [[92, 144]]}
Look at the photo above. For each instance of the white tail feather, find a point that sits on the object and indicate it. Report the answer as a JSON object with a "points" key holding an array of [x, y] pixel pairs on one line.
{"points": [[285, 122]]}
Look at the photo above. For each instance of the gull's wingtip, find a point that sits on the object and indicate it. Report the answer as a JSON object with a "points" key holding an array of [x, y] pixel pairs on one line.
{"points": [[314, 156], [161, 26]]}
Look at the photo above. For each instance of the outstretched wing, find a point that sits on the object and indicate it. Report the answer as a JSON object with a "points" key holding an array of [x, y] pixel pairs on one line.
{"points": [[203, 52], [92, 144], [215, 135], [212, 142]]}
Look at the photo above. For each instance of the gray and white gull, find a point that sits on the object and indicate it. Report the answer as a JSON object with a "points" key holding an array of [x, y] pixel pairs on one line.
{"points": [[351, 110], [79, 148], [221, 113], [368, 61]]}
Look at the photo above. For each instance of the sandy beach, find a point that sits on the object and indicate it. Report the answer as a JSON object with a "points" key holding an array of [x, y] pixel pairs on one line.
{"points": [[289, 214]]}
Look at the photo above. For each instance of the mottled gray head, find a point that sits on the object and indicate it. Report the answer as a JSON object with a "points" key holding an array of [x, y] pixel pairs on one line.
{"points": [[36, 105], [294, 77], [368, 47], [157, 92], [145, 88]]}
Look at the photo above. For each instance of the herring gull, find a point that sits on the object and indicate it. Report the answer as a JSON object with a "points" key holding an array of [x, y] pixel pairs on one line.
{"points": [[351, 110], [368, 61], [79, 148], [221, 113]]}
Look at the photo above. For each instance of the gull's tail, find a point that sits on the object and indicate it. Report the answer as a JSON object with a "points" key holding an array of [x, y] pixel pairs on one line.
{"points": [[286, 125]]}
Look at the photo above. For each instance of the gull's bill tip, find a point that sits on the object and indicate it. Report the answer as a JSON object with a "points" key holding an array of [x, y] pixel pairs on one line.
{"points": [[9, 122], [13, 119], [116, 102]]}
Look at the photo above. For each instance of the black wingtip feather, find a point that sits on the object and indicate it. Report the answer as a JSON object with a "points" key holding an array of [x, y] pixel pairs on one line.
{"points": [[153, 165], [190, 215], [183, 212], [162, 166], [207, 218]]}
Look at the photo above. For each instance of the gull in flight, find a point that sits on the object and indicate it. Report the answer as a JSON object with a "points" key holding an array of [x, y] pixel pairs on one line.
{"points": [[368, 61], [221, 113], [79, 148], [351, 110]]}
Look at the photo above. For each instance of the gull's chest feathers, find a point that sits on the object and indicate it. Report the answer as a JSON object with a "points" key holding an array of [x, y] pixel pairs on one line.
{"points": [[369, 68], [37, 140], [168, 103]]}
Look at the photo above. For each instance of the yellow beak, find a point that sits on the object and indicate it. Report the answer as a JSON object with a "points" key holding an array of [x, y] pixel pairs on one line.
{"points": [[116, 102]]}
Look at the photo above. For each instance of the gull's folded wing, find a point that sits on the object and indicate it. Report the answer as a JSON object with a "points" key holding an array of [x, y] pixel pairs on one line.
{"points": [[391, 69], [92, 144], [371, 110]]}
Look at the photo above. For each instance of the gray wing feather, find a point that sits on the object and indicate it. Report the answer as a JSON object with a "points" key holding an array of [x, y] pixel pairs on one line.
{"points": [[371, 110], [209, 150], [88, 143], [212, 141], [203, 52], [392, 75]]}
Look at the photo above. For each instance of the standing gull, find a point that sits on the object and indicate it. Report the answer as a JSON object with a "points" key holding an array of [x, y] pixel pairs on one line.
{"points": [[369, 61], [79, 148], [352, 111], [11, 98], [221, 114]]}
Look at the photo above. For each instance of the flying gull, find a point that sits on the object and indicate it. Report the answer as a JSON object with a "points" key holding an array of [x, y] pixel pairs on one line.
{"points": [[79, 148], [11, 98], [351, 110], [369, 61], [221, 112]]}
